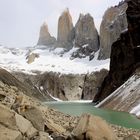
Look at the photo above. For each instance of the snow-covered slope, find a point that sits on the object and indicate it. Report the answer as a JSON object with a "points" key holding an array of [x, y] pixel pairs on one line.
{"points": [[126, 97], [136, 110], [49, 60]]}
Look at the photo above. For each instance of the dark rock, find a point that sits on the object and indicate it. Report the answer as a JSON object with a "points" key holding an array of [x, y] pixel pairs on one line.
{"points": [[59, 138], [93, 83], [125, 53]]}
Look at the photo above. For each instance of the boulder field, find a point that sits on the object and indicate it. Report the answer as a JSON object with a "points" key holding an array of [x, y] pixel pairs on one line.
{"points": [[24, 117]]}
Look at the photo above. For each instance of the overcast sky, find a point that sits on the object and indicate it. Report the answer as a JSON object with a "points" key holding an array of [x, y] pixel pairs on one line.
{"points": [[20, 20]]}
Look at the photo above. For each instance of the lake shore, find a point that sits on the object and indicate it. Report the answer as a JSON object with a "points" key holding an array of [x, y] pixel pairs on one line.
{"points": [[70, 122]]}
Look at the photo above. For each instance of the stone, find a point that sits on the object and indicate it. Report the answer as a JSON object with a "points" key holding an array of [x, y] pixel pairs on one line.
{"points": [[45, 38], [2, 84], [51, 126], [7, 117], [93, 128], [43, 136], [31, 57], [35, 116], [2, 96], [14, 121], [25, 126], [131, 137], [9, 134], [114, 22], [125, 53], [86, 36], [31, 133], [59, 138], [65, 28]]}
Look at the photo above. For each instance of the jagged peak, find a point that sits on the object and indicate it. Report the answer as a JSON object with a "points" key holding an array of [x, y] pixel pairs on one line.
{"points": [[45, 26], [65, 12], [82, 16]]}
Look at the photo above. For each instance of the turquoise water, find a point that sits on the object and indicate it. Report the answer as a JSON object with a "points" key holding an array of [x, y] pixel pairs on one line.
{"points": [[114, 117]]}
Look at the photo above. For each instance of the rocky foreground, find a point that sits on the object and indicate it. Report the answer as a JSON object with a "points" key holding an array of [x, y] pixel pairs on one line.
{"points": [[25, 118]]}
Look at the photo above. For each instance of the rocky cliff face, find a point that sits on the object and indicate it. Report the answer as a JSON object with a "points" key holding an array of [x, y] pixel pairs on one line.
{"points": [[27, 89], [86, 36], [65, 86], [65, 28], [92, 84], [44, 37], [125, 53], [114, 22], [126, 97]]}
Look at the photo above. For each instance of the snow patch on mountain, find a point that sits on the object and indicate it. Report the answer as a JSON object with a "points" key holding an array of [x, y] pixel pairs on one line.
{"points": [[136, 110], [126, 97], [56, 60]]}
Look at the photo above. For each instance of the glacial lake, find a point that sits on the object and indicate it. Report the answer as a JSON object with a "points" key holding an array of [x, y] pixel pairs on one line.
{"points": [[113, 117]]}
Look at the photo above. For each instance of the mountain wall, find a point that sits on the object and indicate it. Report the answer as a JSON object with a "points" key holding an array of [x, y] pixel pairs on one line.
{"points": [[125, 53], [65, 86], [114, 22]]}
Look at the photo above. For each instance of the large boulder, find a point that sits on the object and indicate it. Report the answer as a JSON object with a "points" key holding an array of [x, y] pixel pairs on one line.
{"points": [[45, 37], [43, 136], [86, 36], [65, 29], [7, 117], [125, 53], [34, 115], [25, 126], [132, 137], [9, 134], [15, 125], [31, 57], [114, 22], [93, 128]]}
